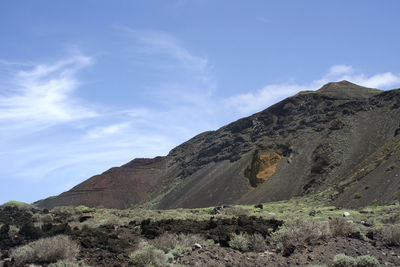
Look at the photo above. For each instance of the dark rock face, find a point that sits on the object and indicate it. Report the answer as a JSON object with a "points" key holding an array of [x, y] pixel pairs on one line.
{"points": [[298, 146]]}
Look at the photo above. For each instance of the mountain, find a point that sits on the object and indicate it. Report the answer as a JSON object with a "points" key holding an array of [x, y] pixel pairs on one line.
{"points": [[312, 141]]}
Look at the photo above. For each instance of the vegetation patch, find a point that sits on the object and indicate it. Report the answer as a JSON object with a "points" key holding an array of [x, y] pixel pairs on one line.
{"points": [[50, 249], [150, 256], [240, 242], [341, 260]]}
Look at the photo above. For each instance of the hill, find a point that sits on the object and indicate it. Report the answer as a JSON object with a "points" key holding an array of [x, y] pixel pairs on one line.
{"points": [[304, 144]]}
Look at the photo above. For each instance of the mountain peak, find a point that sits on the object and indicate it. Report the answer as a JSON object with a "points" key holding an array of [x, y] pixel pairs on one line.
{"points": [[346, 89]]}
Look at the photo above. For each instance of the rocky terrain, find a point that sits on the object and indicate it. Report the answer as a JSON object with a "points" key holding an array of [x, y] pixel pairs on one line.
{"points": [[300, 232], [299, 146]]}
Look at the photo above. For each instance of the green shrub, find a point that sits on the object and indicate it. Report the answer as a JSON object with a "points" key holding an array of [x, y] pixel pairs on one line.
{"points": [[81, 208], [63, 263], [341, 260], [240, 242], [366, 261], [49, 249], [179, 251], [149, 256], [357, 196]]}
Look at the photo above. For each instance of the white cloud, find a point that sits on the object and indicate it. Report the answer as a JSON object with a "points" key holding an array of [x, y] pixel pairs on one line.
{"points": [[113, 129], [42, 95], [338, 70], [245, 104]]}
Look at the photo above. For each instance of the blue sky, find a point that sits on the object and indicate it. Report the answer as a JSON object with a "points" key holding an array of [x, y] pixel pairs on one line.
{"points": [[86, 85]]}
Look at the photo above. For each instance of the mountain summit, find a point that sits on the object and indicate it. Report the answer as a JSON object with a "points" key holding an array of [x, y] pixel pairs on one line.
{"points": [[304, 144], [346, 89]]}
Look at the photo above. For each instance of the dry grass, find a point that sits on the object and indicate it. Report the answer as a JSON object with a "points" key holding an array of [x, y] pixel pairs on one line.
{"points": [[391, 235], [169, 241], [341, 227], [257, 243], [300, 231], [50, 249]]}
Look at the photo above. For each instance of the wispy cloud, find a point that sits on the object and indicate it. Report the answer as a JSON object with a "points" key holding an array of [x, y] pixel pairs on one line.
{"points": [[42, 94], [245, 104], [79, 138], [99, 132], [163, 43]]}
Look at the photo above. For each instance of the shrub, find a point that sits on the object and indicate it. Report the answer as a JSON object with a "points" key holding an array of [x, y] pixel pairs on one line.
{"points": [[63, 263], [240, 242], [178, 251], [341, 227], [299, 231], [23, 254], [357, 195], [366, 261], [341, 260], [149, 256], [49, 249], [257, 242], [169, 241], [391, 235]]}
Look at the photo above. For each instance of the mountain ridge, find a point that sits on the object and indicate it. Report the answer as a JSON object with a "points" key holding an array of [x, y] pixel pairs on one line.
{"points": [[300, 145]]}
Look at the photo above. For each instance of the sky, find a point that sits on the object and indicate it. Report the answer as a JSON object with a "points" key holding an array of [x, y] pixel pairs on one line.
{"points": [[86, 85]]}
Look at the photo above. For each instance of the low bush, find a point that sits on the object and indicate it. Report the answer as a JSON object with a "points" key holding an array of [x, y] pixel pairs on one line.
{"points": [[341, 227], [300, 231], [257, 243], [391, 235], [149, 256], [367, 261], [50, 249], [240, 241], [23, 254], [178, 251], [341, 260]]}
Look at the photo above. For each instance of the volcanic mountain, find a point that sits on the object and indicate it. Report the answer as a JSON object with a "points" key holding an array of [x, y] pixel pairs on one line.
{"points": [[342, 136]]}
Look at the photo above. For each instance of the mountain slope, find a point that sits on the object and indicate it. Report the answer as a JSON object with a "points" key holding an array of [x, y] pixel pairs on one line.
{"points": [[300, 145]]}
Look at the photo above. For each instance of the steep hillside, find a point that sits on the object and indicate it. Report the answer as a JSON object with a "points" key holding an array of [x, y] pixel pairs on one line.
{"points": [[300, 145]]}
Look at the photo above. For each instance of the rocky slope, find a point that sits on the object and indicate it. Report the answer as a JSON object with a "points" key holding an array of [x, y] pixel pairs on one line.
{"points": [[303, 144]]}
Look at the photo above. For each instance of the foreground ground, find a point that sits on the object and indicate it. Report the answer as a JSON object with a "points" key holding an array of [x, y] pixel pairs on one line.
{"points": [[303, 232]]}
